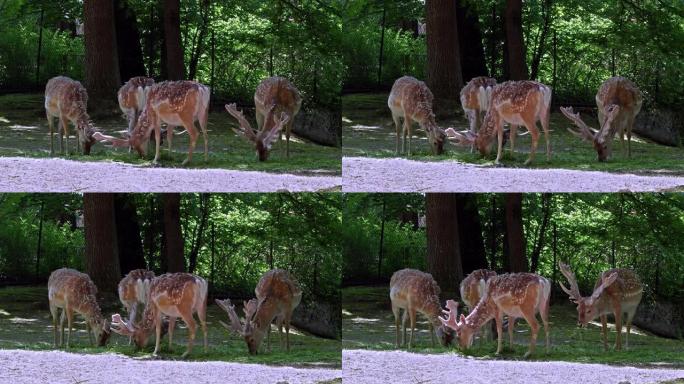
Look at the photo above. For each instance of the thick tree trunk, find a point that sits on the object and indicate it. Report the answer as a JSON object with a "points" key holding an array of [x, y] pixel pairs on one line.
{"points": [[129, 241], [444, 65], [201, 225], [443, 253], [470, 42], [470, 233], [101, 252], [102, 79], [515, 42], [539, 242], [172, 37], [128, 42], [515, 234], [175, 261]]}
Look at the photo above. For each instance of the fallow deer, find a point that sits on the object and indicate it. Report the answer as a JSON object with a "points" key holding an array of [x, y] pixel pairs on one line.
{"points": [[73, 291], [473, 287], [618, 101], [131, 98], [416, 291], [411, 100], [516, 295], [617, 291], [264, 138], [67, 100], [280, 95], [516, 103], [277, 296], [175, 103], [133, 290], [174, 295], [475, 99]]}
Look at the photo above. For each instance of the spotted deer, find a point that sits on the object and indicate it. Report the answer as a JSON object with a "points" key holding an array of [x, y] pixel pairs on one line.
{"points": [[411, 99], [414, 291], [516, 103], [475, 99], [516, 295], [131, 98], [67, 100], [617, 291], [277, 296], [174, 295], [133, 290], [73, 291], [473, 287], [176, 103], [618, 101]]}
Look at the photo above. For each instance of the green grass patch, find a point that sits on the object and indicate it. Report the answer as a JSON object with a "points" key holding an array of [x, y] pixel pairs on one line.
{"points": [[369, 131], [24, 132], [368, 323], [26, 323]]}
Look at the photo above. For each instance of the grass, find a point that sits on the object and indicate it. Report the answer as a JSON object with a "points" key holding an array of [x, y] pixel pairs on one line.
{"points": [[368, 323], [26, 323], [368, 131], [24, 132]]}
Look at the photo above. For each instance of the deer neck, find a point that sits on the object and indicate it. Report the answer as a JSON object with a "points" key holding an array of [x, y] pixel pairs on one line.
{"points": [[433, 311], [484, 311], [264, 316], [91, 311], [149, 318]]}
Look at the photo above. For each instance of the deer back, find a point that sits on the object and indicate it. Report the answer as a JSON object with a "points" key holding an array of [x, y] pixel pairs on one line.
{"points": [[67, 97], [177, 293], [411, 287], [414, 99], [473, 286], [277, 293], [477, 93], [627, 289], [279, 92], [617, 92], [131, 95], [135, 286]]}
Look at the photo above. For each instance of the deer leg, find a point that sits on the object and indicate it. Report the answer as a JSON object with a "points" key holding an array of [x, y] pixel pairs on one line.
{"points": [[432, 335], [544, 313], [64, 132], [545, 126], [157, 138], [407, 136], [132, 308], [474, 120], [396, 311], [499, 137], [202, 316], [52, 129], [535, 139], [288, 127], [169, 137], [511, 325], [70, 319], [404, 322], [189, 125], [287, 334], [203, 127], [618, 328], [499, 329], [604, 331], [53, 311], [89, 331], [62, 320], [190, 322], [630, 316], [412, 319], [397, 126], [534, 325], [512, 133], [172, 326]]}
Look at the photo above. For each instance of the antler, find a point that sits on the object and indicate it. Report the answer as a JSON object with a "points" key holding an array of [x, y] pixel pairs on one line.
{"points": [[460, 138], [604, 284], [116, 142], [235, 324], [452, 314], [250, 308], [120, 326], [269, 135], [574, 292], [245, 127], [585, 132]]}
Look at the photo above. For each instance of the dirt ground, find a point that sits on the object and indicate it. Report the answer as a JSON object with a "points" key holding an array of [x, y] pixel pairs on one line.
{"points": [[361, 366], [401, 175], [60, 175], [19, 367]]}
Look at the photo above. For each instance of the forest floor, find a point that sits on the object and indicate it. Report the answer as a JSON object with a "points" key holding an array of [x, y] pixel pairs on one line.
{"points": [[24, 132], [26, 324], [369, 335], [368, 131]]}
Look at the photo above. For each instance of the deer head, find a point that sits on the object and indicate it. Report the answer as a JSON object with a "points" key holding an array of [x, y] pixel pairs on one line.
{"points": [[601, 139], [247, 327], [139, 333], [85, 131], [587, 308], [464, 332], [263, 140], [101, 330]]}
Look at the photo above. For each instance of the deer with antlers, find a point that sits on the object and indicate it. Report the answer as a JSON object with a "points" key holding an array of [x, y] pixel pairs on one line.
{"points": [[618, 101], [414, 291], [516, 103], [277, 102], [618, 291], [67, 100], [411, 99], [176, 103], [174, 295], [516, 295], [73, 291], [472, 289], [475, 99], [133, 290], [277, 296]]}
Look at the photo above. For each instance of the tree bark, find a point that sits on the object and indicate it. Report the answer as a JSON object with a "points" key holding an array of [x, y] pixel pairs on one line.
{"points": [[101, 252], [470, 42], [443, 253], [539, 242], [443, 60], [197, 241], [131, 61], [205, 10], [514, 41], [173, 235], [382, 235], [539, 51], [129, 241], [101, 58], [515, 234], [172, 36], [470, 233]]}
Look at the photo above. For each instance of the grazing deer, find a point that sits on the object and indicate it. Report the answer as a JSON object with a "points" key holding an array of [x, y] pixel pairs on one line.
{"points": [[618, 101], [73, 291], [515, 295], [174, 295], [67, 100], [475, 99], [473, 287], [411, 100], [617, 291], [133, 289], [175, 103], [131, 98], [516, 103], [263, 139], [277, 296], [416, 291]]}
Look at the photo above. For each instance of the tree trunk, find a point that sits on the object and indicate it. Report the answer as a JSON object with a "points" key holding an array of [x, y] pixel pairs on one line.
{"points": [[128, 42], [129, 242], [443, 253], [101, 58], [197, 241], [515, 233], [539, 242], [470, 233], [443, 61], [382, 41], [470, 42], [205, 12], [515, 41], [172, 37], [101, 252], [382, 236], [40, 234], [173, 235], [547, 11]]}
